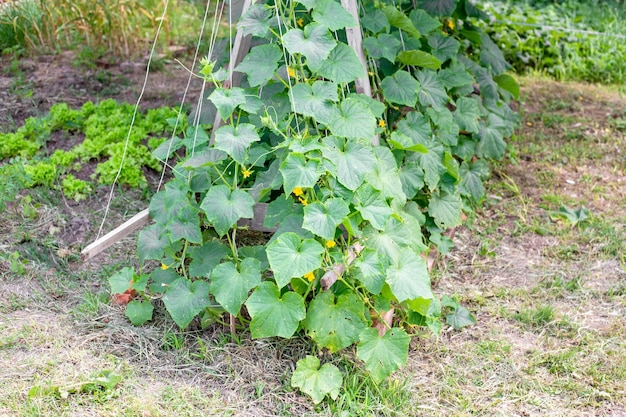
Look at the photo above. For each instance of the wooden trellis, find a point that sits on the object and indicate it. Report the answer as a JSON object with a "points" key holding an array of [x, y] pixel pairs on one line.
{"points": [[241, 47]]}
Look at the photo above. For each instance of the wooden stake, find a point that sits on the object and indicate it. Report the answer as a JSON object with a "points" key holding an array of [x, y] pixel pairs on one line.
{"points": [[137, 221]]}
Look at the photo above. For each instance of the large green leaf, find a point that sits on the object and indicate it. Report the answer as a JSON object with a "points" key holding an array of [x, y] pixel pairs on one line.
{"points": [[322, 219], [370, 270], [290, 257], [423, 21], [353, 121], [445, 209], [139, 312], [416, 126], [204, 258], [341, 66], [491, 56], [353, 161], [184, 300], [186, 225], [398, 19], [385, 176], [432, 92], [492, 144], [508, 83], [260, 64], [375, 21], [121, 280], [407, 276], [466, 114], [372, 205], [256, 21], [419, 58], [403, 142], [438, 7], [317, 382], [273, 314], [223, 207], [443, 47], [315, 43], [278, 210], [460, 317], [152, 242], [335, 324], [447, 129], [400, 88], [236, 140], [316, 101], [383, 354], [332, 15], [456, 76], [382, 46], [231, 286], [297, 171], [396, 235], [227, 99]]}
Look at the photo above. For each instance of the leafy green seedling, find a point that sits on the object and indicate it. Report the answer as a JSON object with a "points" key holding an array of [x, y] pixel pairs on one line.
{"points": [[570, 216]]}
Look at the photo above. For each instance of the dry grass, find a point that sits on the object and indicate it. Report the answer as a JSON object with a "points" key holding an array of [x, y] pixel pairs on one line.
{"points": [[550, 300]]}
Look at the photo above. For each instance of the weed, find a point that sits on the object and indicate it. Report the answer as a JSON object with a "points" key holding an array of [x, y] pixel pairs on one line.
{"points": [[535, 317]]}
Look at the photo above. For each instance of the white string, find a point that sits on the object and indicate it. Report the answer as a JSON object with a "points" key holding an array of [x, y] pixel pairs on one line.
{"points": [[182, 102], [132, 122], [293, 101]]}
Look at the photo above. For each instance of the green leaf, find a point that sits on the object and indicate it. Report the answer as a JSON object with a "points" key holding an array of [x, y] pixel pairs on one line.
{"points": [[383, 354], [256, 21], [298, 172], [317, 382], [277, 211], [382, 46], [372, 205], [423, 21], [161, 279], [407, 276], [236, 141], [139, 312], [403, 142], [419, 58], [184, 300], [186, 225], [230, 286], [332, 15], [204, 258], [121, 280], [226, 100], [224, 207], [412, 177], [375, 21], [273, 315], [322, 219], [396, 235], [370, 271], [432, 92], [443, 47], [416, 126], [341, 66], [432, 165], [569, 215], [260, 64], [460, 317], [151, 243], [439, 7], [447, 130], [354, 120], [471, 184], [400, 88], [315, 43], [385, 176], [467, 114], [291, 257], [317, 101], [353, 162], [508, 83], [398, 19], [445, 209], [491, 56], [492, 144], [335, 324], [455, 76]]}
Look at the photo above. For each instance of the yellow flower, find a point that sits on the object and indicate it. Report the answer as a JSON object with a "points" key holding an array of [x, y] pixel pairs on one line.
{"points": [[303, 201], [164, 267], [291, 72], [246, 173], [298, 191], [300, 22], [309, 276], [381, 123], [330, 244], [450, 24]]}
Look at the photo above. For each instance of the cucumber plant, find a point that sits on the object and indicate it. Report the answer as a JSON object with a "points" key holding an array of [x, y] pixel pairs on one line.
{"points": [[354, 221]]}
